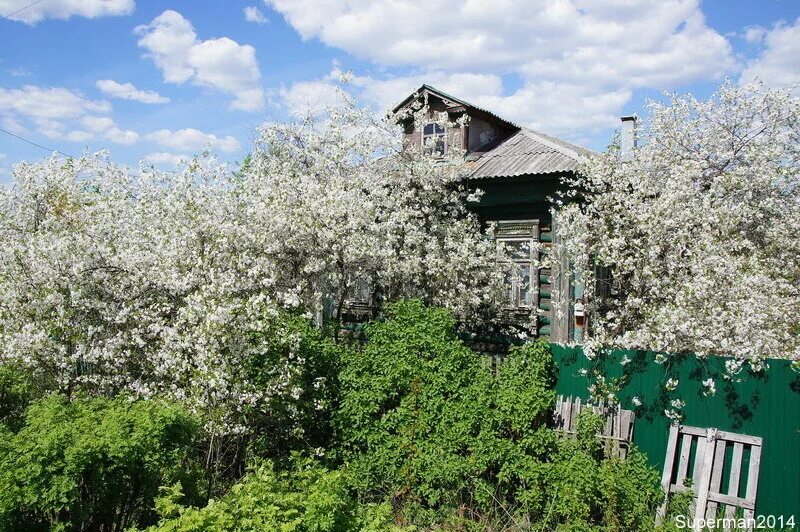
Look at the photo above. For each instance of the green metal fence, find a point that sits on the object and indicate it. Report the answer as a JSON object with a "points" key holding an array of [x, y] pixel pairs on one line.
{"points": [[765, 405]]}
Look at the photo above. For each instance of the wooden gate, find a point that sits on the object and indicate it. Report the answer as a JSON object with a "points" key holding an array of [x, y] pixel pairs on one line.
{"points": [[706, 450], [617, 432]]}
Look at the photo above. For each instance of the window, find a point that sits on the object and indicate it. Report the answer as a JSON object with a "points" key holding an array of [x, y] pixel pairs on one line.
{"points": [[433, 142], [519, 238]]}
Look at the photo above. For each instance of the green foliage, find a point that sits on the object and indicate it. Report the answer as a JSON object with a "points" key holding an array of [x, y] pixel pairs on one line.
{"points": [[93, 464], [424, 422], [301, 418], [308, 498], [590, 492], [16, 392]]}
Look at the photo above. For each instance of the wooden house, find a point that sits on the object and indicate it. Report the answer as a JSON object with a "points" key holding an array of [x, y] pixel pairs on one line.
{"points": [[518, 170]]}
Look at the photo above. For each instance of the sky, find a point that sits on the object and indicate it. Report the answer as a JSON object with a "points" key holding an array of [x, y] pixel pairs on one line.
{"points": [[160, 81]]}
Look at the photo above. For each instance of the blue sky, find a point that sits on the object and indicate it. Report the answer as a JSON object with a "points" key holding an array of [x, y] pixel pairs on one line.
{"points": [[160, 80]]}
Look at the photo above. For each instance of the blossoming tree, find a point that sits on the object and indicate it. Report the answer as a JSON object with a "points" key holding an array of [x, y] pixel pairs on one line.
{"points": [[699, 229], [163, 283]]}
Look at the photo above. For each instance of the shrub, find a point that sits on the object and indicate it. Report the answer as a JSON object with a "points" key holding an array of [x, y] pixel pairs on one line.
{"points": [[424, 422], [298, 417], [305, 499], [16, 392], [590, 492], [93, 464]]}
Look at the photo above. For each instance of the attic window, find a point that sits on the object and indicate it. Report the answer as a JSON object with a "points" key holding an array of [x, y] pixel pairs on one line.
{"points": [[433, 139]]}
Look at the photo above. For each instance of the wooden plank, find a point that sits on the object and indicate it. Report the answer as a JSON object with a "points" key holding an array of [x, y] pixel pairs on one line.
{"points": [[694, 431], [683, 464], [752, 481], [666, 475], [576, 411], [708, 447], [741, 438], [699, 458], [568, 414], [557, 413], [730, 500], [716, 479], [733, 479]]}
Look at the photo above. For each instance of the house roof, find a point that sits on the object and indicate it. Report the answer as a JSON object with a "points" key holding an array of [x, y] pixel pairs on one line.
{"points": [[523, 152], [448, 97], [527, 152]]}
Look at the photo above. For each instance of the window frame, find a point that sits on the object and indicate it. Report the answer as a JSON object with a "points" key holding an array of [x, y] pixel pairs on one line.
{"points": [[521, 231], [434, 135]]}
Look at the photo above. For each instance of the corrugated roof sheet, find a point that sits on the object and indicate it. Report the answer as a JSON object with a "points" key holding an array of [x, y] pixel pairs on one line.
{"points": [[527, 152]]}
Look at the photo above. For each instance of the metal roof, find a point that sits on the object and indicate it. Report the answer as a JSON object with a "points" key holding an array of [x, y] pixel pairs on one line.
{"points": [[527, 152], [524, 152]]}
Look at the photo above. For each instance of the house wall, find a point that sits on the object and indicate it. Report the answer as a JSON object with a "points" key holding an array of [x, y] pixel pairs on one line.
{"points": [[526, 198], [482, 132]]}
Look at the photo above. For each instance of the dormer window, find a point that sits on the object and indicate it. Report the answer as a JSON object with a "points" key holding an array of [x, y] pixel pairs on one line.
{"points": [[433, 142]]}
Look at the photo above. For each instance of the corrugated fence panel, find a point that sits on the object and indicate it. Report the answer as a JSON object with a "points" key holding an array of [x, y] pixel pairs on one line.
{"points": [[766, 405]]}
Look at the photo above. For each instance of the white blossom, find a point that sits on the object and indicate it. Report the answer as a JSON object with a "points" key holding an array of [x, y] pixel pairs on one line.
{"points": [[157, 283], [710, 387], [699, 228]]}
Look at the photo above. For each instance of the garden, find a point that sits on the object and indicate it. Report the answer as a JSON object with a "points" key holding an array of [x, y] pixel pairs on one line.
{"points": [[171, 356]]}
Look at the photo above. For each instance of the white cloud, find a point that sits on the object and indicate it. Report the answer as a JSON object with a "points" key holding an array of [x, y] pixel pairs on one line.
{"points": [[577, 62], [779, 63], [127, 91], [30, 13], [552, 107], [221, 64], [754, 33], [121, 136], [193, 140], [97, 124], [165, 158], [109, 130], [253, 14], [79, 136], [52, 129], [13, 125], [52, 103]]}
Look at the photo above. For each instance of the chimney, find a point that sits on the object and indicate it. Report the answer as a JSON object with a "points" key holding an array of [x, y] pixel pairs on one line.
{"points": [[627, 137]]}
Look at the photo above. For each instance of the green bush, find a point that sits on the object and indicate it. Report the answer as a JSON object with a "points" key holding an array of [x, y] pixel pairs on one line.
{"points": [[94, 464], [424, 423], [307, 498], [301, 419], [590, 492], [16, 392]]}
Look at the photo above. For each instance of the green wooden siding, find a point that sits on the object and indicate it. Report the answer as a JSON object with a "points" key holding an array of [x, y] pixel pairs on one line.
{"points": [[767, 406]]}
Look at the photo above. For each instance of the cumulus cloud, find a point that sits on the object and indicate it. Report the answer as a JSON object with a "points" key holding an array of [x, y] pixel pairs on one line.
{"points": [[568, 58], [97, 124], [221, 64], [754, 33], [127, 91], [193, 140], [25, 11], [779, 63], [253, 14], [51, 103], [105, 126], [165, 158]]}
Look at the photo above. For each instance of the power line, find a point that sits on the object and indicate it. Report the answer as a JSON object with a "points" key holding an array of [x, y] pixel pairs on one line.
{"points": [[35, 144], [20, 10]]}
